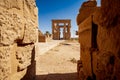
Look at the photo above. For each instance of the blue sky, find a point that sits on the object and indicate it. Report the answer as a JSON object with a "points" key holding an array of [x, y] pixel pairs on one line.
{"points": [[57, 9]]}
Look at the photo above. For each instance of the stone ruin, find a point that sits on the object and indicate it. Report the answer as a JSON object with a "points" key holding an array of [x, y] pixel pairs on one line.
{"points": [[99, 37], [18, 33], [57, 24], [44, 37], [41, 37], [48, 37]]}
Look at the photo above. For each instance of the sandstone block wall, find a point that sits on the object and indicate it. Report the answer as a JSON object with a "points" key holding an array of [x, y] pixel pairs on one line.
{"points": [[86, 10], [48, 37], [18, 33], [100, 42], [41, 37], [85, 35]]}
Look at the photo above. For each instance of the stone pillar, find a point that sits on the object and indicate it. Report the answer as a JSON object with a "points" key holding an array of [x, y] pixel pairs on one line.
{"points": [[53, 29], [57, 32], [64, 32], [68, 33]]}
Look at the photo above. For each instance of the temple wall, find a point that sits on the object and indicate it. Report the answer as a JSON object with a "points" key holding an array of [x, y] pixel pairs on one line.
{"points": [[100, 43], [18, 25]]}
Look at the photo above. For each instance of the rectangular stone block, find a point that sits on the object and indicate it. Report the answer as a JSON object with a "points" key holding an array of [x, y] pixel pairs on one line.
{"points": [[24, 56], [42, 39], [86, 60], [11, 25], [85, 32], [18, 22], [31, 22]]}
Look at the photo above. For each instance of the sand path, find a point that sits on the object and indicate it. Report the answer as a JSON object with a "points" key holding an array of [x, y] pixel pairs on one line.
{"points": [[59, 63]]}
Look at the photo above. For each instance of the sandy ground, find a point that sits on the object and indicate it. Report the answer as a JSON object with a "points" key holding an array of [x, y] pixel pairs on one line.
{"points": [[59, 63]]}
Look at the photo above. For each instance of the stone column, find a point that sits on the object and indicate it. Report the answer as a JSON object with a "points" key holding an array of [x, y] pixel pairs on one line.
{"points": [[53, 28], [69, 33], [64, 29]]}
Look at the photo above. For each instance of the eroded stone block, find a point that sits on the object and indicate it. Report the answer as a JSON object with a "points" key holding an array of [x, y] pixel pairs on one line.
{"points": [[11, 26], [5, 63], [24, 55], [30, 33]]}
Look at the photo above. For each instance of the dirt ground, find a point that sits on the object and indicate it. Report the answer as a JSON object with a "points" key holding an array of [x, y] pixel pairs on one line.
{"points": [[59, 63]]}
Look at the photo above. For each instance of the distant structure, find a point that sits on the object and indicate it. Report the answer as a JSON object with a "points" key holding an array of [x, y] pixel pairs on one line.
{"points": [[41, 36], [44, 37], [65, 24], [91, 0]]}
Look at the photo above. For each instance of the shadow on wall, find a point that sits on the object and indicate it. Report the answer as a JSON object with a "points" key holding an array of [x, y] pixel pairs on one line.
{"points": [[58, 76], [31, 70]]}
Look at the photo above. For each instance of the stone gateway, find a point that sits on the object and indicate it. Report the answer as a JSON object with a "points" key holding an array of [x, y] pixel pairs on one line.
{"points": [[56, 25]]}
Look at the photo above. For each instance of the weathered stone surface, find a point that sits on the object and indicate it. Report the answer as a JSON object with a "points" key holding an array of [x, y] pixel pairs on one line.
{"points": [[8, 4], [18, 75], [86, 60], [21, 19], [105, 66], [5, 67], [103, 56], [110, 13], [30, 33], [31, 69], [31, 24], [81, 74], [23, 55], [18, 33], [86, 10], [85, 32], [11, 26]]}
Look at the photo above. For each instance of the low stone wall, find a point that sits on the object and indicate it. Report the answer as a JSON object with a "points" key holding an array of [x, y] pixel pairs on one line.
{"points": [[42, 39], [18, 33]]}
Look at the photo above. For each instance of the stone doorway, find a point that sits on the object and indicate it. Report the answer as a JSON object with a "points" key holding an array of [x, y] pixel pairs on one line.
{"points": [[58, 33], [94, 35]]}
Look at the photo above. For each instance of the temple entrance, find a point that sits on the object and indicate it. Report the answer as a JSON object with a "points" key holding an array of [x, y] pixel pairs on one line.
{"points": [[61, 29]]}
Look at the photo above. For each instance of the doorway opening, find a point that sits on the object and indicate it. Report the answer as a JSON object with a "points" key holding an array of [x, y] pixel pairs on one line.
{"points": [[61, 34], [94, 35]]}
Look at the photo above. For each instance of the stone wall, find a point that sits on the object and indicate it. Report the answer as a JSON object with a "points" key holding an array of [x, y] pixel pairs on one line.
{"points": [[100, 42], [48, 37], [86, 10], [18, 25], [41, 37]]}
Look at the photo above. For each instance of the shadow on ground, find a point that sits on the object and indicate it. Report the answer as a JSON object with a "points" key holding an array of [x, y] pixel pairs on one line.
{"points": [[65, 44], [58, 76]]}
